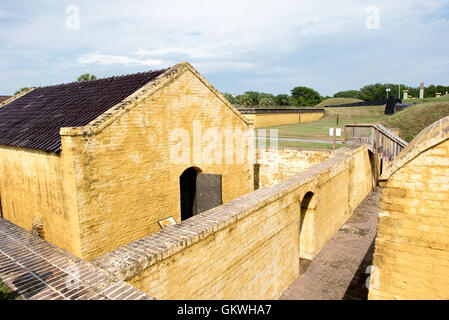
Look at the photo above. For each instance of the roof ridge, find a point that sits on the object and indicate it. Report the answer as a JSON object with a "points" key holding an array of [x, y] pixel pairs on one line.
{"points": [[103, 79]]}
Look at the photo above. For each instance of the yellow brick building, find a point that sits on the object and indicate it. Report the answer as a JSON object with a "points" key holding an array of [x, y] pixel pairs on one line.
{"points": [[101, 162], [411, 258]]}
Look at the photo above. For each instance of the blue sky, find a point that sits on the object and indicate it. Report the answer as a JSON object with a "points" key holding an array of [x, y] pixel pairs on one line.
{"points": [[237, 45]]}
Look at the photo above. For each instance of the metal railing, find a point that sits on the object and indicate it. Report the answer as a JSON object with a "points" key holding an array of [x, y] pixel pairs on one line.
{"points": [[380, 140]]}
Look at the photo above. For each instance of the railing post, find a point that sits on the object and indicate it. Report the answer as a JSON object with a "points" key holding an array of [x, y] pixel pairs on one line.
{"points": [[344, 134], [376, 158]]}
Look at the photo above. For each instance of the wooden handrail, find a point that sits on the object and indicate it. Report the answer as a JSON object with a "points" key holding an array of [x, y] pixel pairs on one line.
{"points": [[379, 139]]}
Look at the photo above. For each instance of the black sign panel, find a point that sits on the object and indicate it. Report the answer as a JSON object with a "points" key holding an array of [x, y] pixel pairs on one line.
{"points": [[208, 192]]}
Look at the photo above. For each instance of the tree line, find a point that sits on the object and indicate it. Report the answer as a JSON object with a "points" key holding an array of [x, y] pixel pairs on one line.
{"points": [[378, 91], [300, 96], [304, 96]]}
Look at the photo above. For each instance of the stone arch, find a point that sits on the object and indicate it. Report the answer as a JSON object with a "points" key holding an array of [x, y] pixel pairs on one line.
{"points": [[187, 188]]}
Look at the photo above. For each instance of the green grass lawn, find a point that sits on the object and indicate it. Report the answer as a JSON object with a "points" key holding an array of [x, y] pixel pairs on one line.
{"points": [[410, 122], [336, 101], [440, 99], [6, 293], [413, 119], [308, 145], [320, 129]]}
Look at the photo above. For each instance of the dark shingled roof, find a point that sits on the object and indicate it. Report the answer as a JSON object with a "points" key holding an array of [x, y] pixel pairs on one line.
{"points": [[33, 120], [4, 98]]}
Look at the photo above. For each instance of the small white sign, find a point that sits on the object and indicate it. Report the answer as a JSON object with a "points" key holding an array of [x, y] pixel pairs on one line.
{"points": [[337, 131], [170, 221]]}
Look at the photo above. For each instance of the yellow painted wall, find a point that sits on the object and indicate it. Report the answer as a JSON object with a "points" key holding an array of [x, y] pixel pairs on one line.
{"points": [[30, 187], [311, 116], [411, 256], [125, 178], [250, 247], [275, 119]]}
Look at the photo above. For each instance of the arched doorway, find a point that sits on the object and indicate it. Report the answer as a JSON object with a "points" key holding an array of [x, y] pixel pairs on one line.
{"points": [[187, 183], [305, 231]]}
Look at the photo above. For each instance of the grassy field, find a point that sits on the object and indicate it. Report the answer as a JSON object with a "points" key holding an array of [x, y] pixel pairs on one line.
{"points": [[320, 129], [413, 119], [410, 122], [416, 100], [336, 101]]}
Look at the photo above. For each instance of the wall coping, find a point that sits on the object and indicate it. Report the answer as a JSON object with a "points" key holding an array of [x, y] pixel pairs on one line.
{"points": [[426, 139], [131, 259]]}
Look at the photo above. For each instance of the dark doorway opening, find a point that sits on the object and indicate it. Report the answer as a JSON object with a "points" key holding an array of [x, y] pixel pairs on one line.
{"points": [[199, 192], [187, 182]]}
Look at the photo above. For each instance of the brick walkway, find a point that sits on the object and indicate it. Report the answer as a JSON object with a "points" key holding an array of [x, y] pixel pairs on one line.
{"points": [[338, 271], [38, 270]]}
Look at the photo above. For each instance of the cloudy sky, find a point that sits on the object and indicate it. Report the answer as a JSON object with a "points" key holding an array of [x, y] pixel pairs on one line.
{"points": [[269, 46]]}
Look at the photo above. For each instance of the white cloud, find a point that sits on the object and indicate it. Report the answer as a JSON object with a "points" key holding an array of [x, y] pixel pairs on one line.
{"points": [[108, 59], [239, 43]]}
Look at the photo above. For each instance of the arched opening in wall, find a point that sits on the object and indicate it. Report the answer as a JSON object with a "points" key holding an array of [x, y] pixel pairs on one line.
{"points": [[187, 184], [305, 231], [199, 192]]}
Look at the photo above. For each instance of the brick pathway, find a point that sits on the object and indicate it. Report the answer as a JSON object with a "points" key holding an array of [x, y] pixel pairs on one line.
{"points": [[38, 270], [338, 271]]}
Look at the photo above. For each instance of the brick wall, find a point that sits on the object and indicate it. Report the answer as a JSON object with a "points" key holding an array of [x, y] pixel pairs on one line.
{"points": [[248, 248], [125, 177], [277, 165], [411, 256], [31, 186]]}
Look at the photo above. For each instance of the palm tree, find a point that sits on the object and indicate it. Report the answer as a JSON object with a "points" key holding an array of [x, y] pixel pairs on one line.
{"points": [[86, 77]]}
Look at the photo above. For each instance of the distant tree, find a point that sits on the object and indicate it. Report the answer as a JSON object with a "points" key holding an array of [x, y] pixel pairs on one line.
{"points": [[281, 100], [253, 97], [230, 98], [348, 94], [86, 77], [303, 96], [21, 89], [249, 98], [244, 100], [266, 99]]}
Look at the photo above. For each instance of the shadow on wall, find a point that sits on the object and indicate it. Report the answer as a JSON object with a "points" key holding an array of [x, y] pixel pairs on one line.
{"points": [[306, 226]]}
